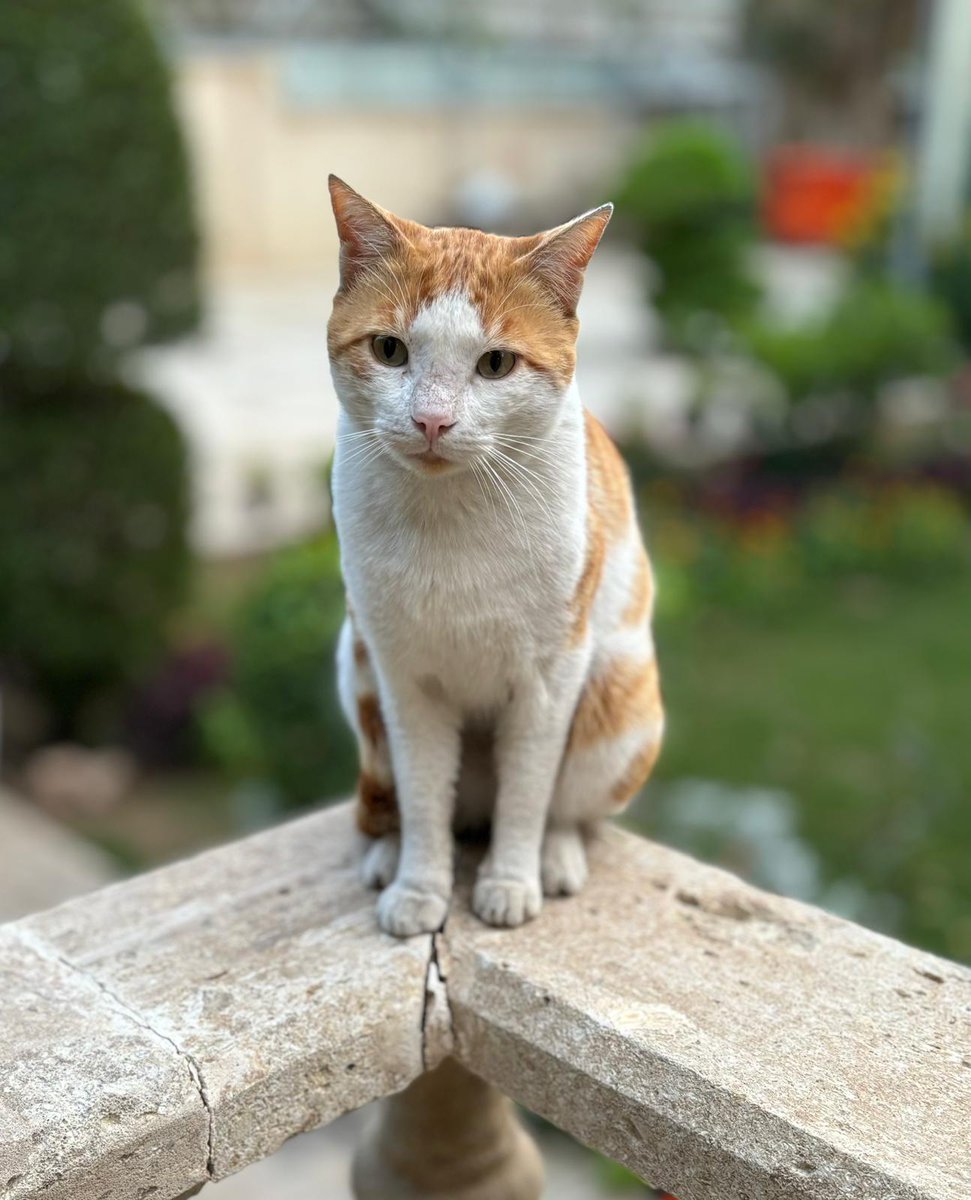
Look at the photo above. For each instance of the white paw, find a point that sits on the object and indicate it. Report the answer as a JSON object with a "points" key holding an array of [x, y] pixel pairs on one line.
{"points": [[564, 862], [506, 902], [404, 911], [380, 863]]}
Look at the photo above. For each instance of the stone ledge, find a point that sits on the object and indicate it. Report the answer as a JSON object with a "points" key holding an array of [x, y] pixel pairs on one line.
{"points": [[254, 975], [719, 1040], [173, 1028]]}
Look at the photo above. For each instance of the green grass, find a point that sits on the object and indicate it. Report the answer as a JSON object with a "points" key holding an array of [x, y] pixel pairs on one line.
{"points": [[857, 704]]}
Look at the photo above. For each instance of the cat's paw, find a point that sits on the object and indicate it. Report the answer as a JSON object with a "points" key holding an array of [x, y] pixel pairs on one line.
{"points": [[564, 862], [405, 911], [506, 902], [380, 863]]}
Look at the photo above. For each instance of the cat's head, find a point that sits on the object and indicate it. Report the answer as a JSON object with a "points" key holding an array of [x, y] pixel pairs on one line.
{"points": [[447, 343]]}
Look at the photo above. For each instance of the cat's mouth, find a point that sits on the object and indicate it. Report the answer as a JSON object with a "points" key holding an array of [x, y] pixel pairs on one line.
{"points": [[428, 460]]}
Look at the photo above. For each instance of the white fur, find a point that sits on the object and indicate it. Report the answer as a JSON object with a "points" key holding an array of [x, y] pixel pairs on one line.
{"points": [[461, 584]]}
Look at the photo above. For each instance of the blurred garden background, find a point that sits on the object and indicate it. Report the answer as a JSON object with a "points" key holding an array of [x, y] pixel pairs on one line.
{"points": [[777, 329]]}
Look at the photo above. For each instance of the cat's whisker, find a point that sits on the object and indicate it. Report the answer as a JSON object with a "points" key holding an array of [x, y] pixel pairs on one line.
{"points": [[526, 479], [534, 443], [531, 438], [361, 455], [538, 466], [476, 472], [359, 433], [514, 506], [548, 459]]}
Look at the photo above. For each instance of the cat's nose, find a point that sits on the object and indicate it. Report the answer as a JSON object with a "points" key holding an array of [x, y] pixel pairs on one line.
{"points": [[433, 425]]}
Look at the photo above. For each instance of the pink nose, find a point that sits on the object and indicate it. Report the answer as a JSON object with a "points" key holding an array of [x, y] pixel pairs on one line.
{"points": [[433, 425]]}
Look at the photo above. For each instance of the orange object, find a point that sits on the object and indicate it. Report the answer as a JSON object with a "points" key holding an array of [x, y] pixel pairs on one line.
{"points": [[812, 194]]}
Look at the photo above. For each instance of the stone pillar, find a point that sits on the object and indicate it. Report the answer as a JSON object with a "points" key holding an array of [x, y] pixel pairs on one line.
{"points": [[449, 1135]]}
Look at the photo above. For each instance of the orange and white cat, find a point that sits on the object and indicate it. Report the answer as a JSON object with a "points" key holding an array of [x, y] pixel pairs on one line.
{"points": [[497, 663]]}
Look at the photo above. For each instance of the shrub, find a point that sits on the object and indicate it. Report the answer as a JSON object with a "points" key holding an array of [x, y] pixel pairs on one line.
{"points": [[767, 561], [688, 198], [93, 555], [909, 531], [279, 721], [97, 241], [877, 332]]}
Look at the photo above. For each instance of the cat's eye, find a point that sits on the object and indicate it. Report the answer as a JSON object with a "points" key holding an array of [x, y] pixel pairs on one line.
{"points": [[495, 364], [389, 351]]}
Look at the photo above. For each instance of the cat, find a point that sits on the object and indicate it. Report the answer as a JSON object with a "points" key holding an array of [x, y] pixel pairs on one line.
{"points": [[497, 663]]}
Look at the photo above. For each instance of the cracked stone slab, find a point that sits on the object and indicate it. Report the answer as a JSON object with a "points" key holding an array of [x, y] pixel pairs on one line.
{"points": [[719, 1040], [92, 1103], [262, 975]]}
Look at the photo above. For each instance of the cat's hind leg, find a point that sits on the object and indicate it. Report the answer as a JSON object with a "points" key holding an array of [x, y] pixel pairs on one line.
{"points": [[563, 862], [377, 808], [614, 741]]}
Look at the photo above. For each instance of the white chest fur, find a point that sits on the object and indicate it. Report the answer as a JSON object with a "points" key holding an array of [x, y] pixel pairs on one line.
{"points": [[455, 578]]}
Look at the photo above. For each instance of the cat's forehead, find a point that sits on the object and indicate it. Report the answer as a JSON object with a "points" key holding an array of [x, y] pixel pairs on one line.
{"points": [[482, 267], [449, 318]]}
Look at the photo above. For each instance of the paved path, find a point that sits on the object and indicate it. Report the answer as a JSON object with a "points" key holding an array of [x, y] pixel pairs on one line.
{"points": [[41, 862]]}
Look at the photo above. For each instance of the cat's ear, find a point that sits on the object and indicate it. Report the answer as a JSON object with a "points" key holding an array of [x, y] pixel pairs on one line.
{"points": [[367, 233], [561, 255]]}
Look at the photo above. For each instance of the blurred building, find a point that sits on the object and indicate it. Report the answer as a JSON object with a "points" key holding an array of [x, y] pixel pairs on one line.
{"points": [[445, 110]]}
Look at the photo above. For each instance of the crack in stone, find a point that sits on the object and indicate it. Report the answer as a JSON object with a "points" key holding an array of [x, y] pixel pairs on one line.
{"points": [[46, 951], [436, 1014]]}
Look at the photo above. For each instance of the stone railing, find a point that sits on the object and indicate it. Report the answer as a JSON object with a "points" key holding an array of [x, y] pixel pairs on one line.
{"points": [[723, 1043]]}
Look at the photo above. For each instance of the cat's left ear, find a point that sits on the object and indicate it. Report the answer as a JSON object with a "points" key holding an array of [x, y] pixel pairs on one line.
{"points": [[562, 254]]}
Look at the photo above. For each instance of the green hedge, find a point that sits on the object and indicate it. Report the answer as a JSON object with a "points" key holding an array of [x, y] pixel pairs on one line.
{"points": [[279, 722], [97, 240], [94, 501]]}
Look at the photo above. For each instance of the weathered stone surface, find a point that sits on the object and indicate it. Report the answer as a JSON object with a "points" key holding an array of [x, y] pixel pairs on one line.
{"points": [[262, 963], [721, 1041], [92, 1103]]}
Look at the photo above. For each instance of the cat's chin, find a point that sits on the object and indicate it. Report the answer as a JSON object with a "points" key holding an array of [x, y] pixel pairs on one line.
{"points": [[429, 463]]}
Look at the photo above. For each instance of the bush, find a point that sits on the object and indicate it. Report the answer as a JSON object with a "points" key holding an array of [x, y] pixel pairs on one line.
{"points": [[279, 722], [877, 332], [688, 198], [93, 556], [767, 561], [97, 241]]}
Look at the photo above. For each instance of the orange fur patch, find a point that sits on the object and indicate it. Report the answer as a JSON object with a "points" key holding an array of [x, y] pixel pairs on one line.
{"points": [[608, 484], [589, 582], [361, 658], [609, 513], [636, 773], [642, 593], [377, 806], [623, 697], [370, 720]]}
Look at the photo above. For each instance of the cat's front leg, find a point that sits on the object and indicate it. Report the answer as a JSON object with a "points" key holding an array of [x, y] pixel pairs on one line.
{"points": [[530, 737], [425, 750]]}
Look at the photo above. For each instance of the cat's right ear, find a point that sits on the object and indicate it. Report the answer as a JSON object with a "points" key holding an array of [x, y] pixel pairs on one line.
{"points": [[367, 233]]}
